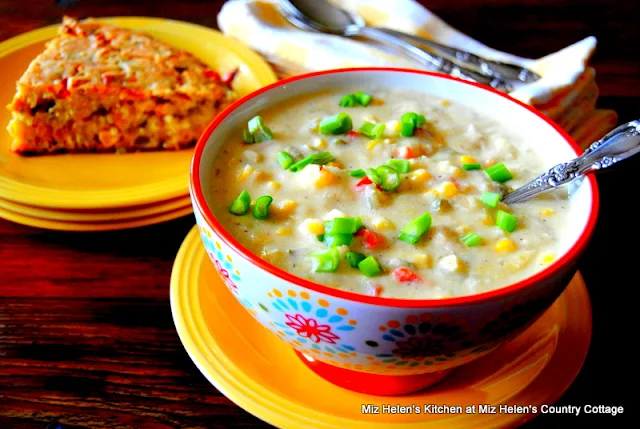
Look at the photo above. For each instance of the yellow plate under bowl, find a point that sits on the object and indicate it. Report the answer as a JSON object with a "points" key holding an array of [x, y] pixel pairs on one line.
{"points": [[105, 215], [78, 181], [95, 226], [260, 373]]}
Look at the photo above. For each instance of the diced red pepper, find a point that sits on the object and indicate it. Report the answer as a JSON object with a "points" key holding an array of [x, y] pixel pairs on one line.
{"points": [[227, 79], [371, 239], [352, 135], [378, 290], [365, 182], [362, 183], [420, 132], [405, 275], [406, 153]]}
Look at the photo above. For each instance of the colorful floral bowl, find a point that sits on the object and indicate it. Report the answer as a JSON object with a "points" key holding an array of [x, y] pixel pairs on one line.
{"points": [[373, 344]]}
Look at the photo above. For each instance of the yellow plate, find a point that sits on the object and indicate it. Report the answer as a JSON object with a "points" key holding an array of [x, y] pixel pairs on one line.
{"points": [[262, 374], [94, 226], [112, 180], [96, 215]]}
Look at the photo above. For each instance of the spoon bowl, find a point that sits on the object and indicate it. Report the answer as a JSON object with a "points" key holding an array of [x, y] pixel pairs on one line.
{"points": [[320, 15]]}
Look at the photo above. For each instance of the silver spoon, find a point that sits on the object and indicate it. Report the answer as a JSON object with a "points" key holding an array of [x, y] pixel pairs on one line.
{"points": [[497, 69], [322, 16], [621, 143]]}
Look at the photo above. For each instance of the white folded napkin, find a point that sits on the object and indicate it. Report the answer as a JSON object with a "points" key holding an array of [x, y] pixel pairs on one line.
{"points": [[567, 91]]}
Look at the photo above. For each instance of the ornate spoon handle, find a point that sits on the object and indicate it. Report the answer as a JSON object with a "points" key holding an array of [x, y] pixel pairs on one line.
{"points": [[497, 69], [435, 62], [619, 144]]}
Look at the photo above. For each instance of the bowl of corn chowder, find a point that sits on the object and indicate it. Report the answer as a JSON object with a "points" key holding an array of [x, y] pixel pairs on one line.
{"points": [[356, 214]]}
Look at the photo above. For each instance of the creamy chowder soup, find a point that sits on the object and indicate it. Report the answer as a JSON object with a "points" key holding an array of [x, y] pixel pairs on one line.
{"points": [[387, 192]]}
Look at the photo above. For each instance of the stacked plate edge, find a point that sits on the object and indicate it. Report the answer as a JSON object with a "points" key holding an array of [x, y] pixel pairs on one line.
{"points": [[94, 192]]}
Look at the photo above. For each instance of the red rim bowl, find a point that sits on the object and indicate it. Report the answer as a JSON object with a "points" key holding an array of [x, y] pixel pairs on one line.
{"points": [[197, 194]]}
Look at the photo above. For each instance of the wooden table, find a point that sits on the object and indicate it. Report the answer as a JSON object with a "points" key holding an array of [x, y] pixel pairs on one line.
{"points": [[86, 336]]}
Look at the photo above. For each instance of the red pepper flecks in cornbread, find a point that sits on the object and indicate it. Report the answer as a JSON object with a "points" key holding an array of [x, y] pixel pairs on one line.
{"points": [[101, 88]]}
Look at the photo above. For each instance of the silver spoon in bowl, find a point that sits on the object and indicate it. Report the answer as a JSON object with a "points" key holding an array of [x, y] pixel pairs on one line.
{"points": [[619, 144], [321, 16]]}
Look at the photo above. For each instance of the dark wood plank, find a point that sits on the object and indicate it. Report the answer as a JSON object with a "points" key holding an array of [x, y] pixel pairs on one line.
{"points": [[86, 336]]}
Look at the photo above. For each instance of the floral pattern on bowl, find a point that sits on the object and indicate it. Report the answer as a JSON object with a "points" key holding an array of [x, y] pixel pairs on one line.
{"points": [[222, 262], [327, 330], [312, 324]]}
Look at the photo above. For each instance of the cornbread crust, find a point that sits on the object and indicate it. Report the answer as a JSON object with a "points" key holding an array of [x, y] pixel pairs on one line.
{"points": [[101, 88]]}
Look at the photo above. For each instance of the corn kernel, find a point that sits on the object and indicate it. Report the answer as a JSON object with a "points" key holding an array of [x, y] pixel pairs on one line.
{"points": [[334, 164], [274, 186], [489, 163], [311, 226], [458, 173], [449, 190], [505, 245], [420, 175], [466, 159], [422, 260], [286, 207], [325, 178], [319, 143], [445, 102], [383, 224], [261, 176], [487, 221], [394, 126], [547, 212], [548, 258], [463, 229], [434, 193], [467, 188], [316, 228], [284, 231], [505, 208], [372, 144], [377, 102], [246, 172]]}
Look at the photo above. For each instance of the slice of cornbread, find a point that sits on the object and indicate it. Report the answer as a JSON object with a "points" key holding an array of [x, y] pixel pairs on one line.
{"points": [[101, 88]]}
